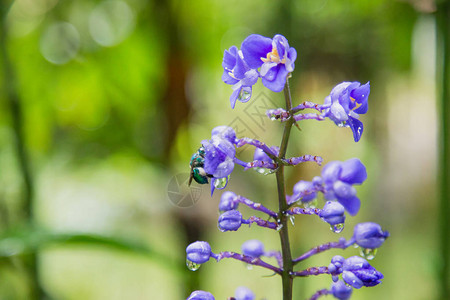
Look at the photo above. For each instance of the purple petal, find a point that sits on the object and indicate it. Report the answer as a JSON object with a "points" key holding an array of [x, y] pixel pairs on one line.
{"points": [[255, 47], [228, 79], [332, 171], [357, 128], [277, 85], [234, 97], [361, 95], [351, 204], [251, 77], [229, 58], [240, 69], [352, 280], [353, 171]]}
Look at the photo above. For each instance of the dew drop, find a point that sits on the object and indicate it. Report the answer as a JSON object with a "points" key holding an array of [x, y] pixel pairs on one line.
{"points": [[355, 246], [260, 170], [220, 183], [368, 253], [192, 265], [337, 228], [273, 118], [292, 219], [249, 267], [244, 95], [279, 227]]}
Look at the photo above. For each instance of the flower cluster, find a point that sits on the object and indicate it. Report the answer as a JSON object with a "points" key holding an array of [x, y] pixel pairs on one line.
{"points": [[270, 59], [273, 60]]}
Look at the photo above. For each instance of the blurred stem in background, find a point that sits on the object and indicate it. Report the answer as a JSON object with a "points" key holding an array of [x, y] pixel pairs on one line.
{"points": [[443, 93], [12, 97], [176, 112]]}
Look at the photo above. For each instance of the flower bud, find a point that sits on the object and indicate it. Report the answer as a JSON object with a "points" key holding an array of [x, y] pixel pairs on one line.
{"points": [[341, 291], [358, 272], [335, 267], [369, 235], [243, 293], [333, 213], [230, 220], [253, 248], [226, 201], [304, 190], [201, 295], [199, 253]]}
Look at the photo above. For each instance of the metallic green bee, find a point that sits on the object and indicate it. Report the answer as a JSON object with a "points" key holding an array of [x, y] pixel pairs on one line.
{"points": [[196, 164]]}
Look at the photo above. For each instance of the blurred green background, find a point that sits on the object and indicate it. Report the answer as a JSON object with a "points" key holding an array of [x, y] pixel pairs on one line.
{"points": [[103, 103]]}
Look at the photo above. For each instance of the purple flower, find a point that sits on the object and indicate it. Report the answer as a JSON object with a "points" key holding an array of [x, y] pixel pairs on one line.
{"points": [[358, 272], [239, 75], [339, 178], [346, 101], [226, 201], [219, 157], [230, 221], [253, 248], [198, 252], [224, 132], [201, 295], [369, 235], [341, 291], [274, 56], [303, 190], [261, 155], [333, 213], [243, 293]]}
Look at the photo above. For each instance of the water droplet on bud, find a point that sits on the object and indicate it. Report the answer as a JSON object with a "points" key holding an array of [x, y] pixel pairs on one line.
{"points": [[337, 228], [279, 227], [368, 253], [192, 265]]}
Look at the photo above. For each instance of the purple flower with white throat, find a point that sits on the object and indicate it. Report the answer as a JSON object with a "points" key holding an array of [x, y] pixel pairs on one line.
{"points": [[357, 272], [239, 75], [339, 178], [346, 102], [274, 57]]}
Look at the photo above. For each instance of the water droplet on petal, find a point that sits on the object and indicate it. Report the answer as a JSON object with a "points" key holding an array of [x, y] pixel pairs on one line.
{"points": [[244, 95], [220, 183], [368, 253], [192, 265], [337, 228], [355, 246], [292, 219], [263, 171]]}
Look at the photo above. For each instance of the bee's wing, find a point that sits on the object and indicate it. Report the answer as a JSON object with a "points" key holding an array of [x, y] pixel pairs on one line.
{"points": [[191, 175]]}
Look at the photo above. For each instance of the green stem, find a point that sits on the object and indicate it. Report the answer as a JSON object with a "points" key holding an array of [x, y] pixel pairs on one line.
{"points": [[443, 93], [13, 99], [283, 206]]}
